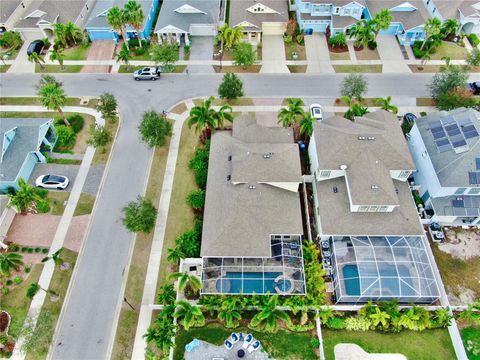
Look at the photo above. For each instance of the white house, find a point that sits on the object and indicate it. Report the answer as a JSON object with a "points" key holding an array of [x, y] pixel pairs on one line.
{"points": [[467, 12]]}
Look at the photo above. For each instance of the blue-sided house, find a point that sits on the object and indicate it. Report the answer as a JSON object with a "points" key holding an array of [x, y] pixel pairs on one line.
{"points": [[21, 143], [99, 29]]}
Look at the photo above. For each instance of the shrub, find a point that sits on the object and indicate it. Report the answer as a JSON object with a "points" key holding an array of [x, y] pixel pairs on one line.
{"points": [[30, 250], [76, 122], [65, 137], [244, 55], [27, 269], [10, 39], [41, 192], [13, 247], [45, 251], [457, 98], [199, 165], [231, 87], [37, 250], [196, 199], [336, 323], [300, 39], [17, 280], [42, 206], [474, 40], [140, 215], [300, 328], [448, 80], [154, 129], [357, 323], [288, 39], [406, 127], [5, 291], [473, 57], [24, 249], [8, 282], [189, 243], [338, 40], [186, 49], [315, 343], [372, 45], [314, 274], [140, 51]]}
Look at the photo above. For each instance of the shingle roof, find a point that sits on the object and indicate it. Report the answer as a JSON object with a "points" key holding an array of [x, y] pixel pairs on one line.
{"points": [[168, 15], [409, 19], [340, 22], [449, 9], [239, 13], [238, 221], [59, 11], [95, 21], [7, 7]]}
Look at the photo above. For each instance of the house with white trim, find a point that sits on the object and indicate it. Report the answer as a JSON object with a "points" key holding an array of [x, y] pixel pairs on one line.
{"points": [[467, 12]]}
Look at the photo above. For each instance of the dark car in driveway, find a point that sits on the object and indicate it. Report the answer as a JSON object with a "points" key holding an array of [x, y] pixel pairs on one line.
{"points": [[36, 46], [474, 87]]}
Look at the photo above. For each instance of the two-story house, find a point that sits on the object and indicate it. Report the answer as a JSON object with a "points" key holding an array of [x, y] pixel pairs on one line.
{"points": [[365, 213], [467, 12], [446, 150]]}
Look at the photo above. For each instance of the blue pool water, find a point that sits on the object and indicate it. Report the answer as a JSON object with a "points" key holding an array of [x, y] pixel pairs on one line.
{"points": [[253, 282]]}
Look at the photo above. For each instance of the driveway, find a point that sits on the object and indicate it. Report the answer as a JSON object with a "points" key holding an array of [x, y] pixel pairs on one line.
{"points": [[391, 55], [99, 50], [70, 171], [273, 55], [201, 49], [317, 54]]}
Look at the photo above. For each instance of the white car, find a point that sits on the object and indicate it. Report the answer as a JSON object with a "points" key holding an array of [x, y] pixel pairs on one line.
{"points": [[316, 111], [52, 182]]}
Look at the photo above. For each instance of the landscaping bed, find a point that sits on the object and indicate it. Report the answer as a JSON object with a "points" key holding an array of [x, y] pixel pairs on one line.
{"points": [[299, 49], [4, 68], [339, 55], [358, 68], [366, 54]]}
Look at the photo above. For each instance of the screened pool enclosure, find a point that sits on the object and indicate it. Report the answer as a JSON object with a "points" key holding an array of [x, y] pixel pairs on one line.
{"points": [[382, 268], [281, 273]]}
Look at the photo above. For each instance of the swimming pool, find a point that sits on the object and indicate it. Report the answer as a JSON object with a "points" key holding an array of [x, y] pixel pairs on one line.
{"points": [[252, 282]]}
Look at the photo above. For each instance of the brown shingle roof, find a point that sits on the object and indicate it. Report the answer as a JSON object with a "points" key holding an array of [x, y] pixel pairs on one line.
{"points": [[239, 13]]}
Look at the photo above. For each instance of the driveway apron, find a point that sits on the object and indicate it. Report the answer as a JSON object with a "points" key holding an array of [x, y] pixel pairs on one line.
{"points": [[273, 55], [201, 49], [317, 54]]}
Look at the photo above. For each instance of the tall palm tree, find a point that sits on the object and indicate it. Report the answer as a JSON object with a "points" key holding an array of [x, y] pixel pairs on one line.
{"points": [[34, 288], [223, 114], [203, 116], [362, 31], [124, 55], [230, 318], [116, 18], [37, 59], [381, 21], [135, 17], [432, 28], [230, 37], [184, 279], [269, 315], [306, 125], [72, 32], [450, 28], [386, 104], [425, 58], [189, 314], [9, 261], [24, 198], [57, 260], [379, 317], [58, 55], [53, 97], [60, 33], [289, 115], [175, 255]]}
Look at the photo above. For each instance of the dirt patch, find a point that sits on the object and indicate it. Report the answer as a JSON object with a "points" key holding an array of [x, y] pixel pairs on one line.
{"points": [[462, 244], [462, 296]]}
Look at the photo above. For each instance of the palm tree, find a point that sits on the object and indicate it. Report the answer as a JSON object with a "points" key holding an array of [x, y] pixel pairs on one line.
{"points": [[57, 260], [231, 37], [53, 97], [381, 21], [287, 116], [325, 314], [124, 55], [269, 315], [72, 32], [116, 18], [34, 288], [425, 58], [166, 295], [203, 116], [25, 198], [362, 31], [306, 125], [230, 318], [471, 315], [432, 28], [355, 109], [58, 55], [386, 104], [450, 28], [379, 317], [135, 17], [37, 59], [190, 314], [175, 255], [59, 30], [9, 261], [184, 279], [223, 114]]}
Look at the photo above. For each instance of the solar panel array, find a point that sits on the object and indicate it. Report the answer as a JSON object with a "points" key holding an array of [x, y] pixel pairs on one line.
{"points": [[474, 177], [466, 206], [452, 131]]}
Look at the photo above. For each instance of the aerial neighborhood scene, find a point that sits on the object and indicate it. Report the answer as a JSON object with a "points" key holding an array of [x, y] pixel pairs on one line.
{"points": [[240, 179]]}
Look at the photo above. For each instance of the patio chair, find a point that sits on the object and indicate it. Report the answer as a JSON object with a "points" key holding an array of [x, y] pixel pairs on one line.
{"points": [[234, 338], [248, 340], [254, 347], [241, 335], [192, 345], [228, 344]]}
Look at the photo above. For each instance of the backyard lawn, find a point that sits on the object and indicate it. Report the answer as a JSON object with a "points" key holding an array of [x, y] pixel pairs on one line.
{"points": [[415, 345], [471, 340], [454, 51], [282, 345]]}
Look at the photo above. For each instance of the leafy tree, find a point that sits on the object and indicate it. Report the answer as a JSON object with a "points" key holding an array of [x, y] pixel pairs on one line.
{"points": [[362, 31], [268, 317], [52, 96], [338, 40], [380, 317], [154, 128], [57, 260], [37, 59], [124, 55], [231, 87], [354, 86], [107, 106], [306, 125], [99, 136], [9, 261], [65, 136], [10, 40], [244, 55], [230, 318], [189, 315], [175, 255], [59, 31], [447, 81], [37, 335], [325, 314], [473, 57], [230, 37], [386, 104], [287, 116], [355, 109], [184, 279], [450, 28], [432, 28], [57, 54], [140, 215], [117, 19], [24, 198], [163, 330], [165, 54], [166, 295], [73, 32], [196, 199], [135, 17], [381, 21]]}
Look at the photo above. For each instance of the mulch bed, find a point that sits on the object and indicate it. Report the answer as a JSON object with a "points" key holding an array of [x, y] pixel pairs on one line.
{"points": [[338, 49], [360, 48], [4, 321], [238, 69]]}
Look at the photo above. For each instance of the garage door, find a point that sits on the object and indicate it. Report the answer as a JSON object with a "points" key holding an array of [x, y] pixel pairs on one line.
{"points": [[273, 28], [202, 30]]}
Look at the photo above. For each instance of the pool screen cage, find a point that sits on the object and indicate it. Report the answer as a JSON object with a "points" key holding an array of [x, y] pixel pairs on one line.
{"points": [[281, 273], [382, 268]]}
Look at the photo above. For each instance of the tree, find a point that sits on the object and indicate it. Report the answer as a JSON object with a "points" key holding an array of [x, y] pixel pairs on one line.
{"points": [[124, 55], [425, 58], [135, 17], [25, 198], [381, 21], [47, 79], [99, 136], [184, 279], [57, 260], [362, 31], [447, 81], [386, 104], [9, 261], [117, 19], [189, 315], [57, 54], [354, 86], [223, 114], [379, 317], [175, 255], [107, 105], [230, 318], [140, 215], [72, 32], [165, 54], [188, 243], [355, 109], [196, 199], [34, 288], [432, 28], [325, 314], [230, 37], [306, 125], [244, 55], [166, 294], [450, 28], [267, 318], [37, 335], [231, 87], [473, 57], [458, 98], [10, 40], [338, 40], [37, 59], [203, 116], [52, 96], [154, 129], [59, 31], [289, 115], [65, 136]]}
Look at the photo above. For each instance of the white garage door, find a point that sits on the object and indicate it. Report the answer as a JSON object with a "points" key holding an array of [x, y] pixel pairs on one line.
{"points": [[273, 28], [202, 30]]}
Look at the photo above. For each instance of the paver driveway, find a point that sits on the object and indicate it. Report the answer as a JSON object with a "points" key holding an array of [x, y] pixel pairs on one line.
{"points": [[99, 50], [273, 54]]}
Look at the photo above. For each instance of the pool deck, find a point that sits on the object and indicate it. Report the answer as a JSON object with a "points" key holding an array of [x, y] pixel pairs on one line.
{"points": [[207, 351]]}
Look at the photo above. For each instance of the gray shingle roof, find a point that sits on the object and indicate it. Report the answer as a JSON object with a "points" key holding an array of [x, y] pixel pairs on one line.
{"points": [[449, 9], [168, 15], [238, 221], [95, 21], [468, 206], [7, 7], [239, 13], [59, 11], [409, 19]]}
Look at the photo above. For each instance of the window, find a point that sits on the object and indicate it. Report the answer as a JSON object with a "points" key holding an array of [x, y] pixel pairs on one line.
{"points": [[363, 208], [373, 208], [460, 191], [325, 173], [474, 191], [383, 208], [404, 174]]}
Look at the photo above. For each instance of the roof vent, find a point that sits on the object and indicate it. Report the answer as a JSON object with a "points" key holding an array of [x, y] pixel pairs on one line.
{"points": [[229, 177], [362, 138], [343, 167], [371, 138], [335, 190], [252, 187], [374, 187], [267, 155]]}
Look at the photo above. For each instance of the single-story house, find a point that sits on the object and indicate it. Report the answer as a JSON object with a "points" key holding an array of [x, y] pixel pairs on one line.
{"points": [[10, 12], [21, 143], [267, 17], [467, 12], [179, 19], [99, 29]]}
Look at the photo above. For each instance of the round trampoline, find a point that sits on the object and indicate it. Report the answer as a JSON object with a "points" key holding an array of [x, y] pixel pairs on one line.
{"points": [[223, 285]]}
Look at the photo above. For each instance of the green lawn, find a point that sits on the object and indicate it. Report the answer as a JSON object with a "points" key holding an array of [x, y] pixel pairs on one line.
{"points": [[71, 101], [76, 53], [471, 340], [4, 68], [282, 345], [56, 200], [357, 68], [84, 205], [454, 51], [297, 69], [425, 345], [339, 56], [57, 69]]}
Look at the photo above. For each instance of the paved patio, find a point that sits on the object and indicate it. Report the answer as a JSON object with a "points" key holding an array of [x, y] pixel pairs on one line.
{"points": [[207, 351]]}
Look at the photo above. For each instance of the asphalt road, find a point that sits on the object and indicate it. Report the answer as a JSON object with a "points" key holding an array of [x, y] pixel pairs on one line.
{"points": [[89, 314]]}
